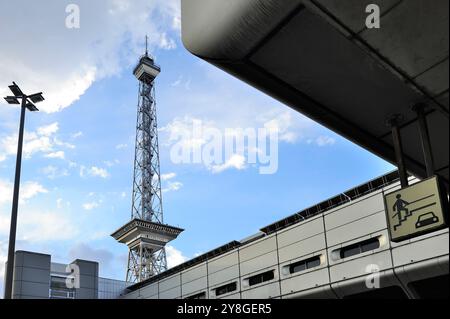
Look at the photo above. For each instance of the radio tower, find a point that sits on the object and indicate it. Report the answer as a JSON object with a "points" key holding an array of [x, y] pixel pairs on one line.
{"points": [[146, 234]]}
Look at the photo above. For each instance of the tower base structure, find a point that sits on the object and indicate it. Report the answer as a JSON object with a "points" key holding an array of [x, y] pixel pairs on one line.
{"points": [[146, 242]]}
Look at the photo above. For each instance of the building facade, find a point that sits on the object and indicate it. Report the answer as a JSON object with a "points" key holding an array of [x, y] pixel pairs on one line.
{"points": [[339, 248], [36, 277]]}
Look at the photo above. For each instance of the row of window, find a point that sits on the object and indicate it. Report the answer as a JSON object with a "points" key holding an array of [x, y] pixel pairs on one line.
{"points": [[436, 288], [226, 289], [359, 248], [201, 295], [260, 278], [219, 291], [306, 264]]}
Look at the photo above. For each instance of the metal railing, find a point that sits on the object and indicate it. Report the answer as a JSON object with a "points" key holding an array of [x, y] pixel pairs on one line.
{"points": [[341, 199], [61, 294]]}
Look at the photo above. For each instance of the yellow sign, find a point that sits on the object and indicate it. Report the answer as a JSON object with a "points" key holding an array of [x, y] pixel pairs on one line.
{"points": [[415, 210]]}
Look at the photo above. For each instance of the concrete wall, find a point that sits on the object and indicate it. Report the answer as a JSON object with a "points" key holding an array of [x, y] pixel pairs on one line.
{"points": [[88, 279], [31, 276], [322, 236]]}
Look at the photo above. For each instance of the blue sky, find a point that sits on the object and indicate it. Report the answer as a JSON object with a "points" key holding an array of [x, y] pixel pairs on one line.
{"points": [[79, 151]]}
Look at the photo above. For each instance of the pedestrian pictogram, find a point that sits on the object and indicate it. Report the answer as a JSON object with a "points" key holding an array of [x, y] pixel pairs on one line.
{"points": [[416, 210]]}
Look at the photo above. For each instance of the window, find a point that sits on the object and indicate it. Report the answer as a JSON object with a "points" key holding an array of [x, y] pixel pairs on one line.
{"points": [[201, 295], [59, 289], [359, 248], [304, 265], [226, 289], [267, 276]]}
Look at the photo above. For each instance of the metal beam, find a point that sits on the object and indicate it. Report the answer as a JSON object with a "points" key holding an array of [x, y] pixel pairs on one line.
{"points": [[394, 123], [425, 138]]}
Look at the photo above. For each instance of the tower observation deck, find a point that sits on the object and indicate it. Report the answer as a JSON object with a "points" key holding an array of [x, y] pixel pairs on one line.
{"points": [[146, 234]]}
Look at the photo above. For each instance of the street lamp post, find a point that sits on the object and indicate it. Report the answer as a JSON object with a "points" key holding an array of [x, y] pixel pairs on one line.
{"points": [[26, 103]]}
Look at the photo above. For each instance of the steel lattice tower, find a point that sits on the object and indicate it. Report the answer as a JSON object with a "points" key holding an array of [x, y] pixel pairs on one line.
{"points": [[146, 235]]}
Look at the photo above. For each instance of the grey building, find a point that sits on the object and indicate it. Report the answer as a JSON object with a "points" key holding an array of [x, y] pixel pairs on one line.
{"points": [[318, 57], [36, 277], [111, 288], [385, 89], [339, 248]]}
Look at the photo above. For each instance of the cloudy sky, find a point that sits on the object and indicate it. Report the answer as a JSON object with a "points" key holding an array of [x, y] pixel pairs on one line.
{"points": [[79, 150]]}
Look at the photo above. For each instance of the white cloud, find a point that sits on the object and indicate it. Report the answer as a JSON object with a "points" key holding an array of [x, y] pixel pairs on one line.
{"points": [[41, 225], [284, 124], [165, 42], [236, 161], [60, 203], [63, 144], [58, 154], [174, 257], [28, 190], [53, 172], [101, 234], [72, 164], [177, 82], [184, 127], [100, 172], [4, 224], [172, 187], [181, 82], [166, 177], [191, 134], [93, 171], [111, 163], [229, 105], [44, 226], [183, 133], [82, 171], [121, 146], [91, 205], [34, 143], [67, 65], [323, 141], [43, 140], [6, 189], [77, 135], [3, 258], [31, 189], [48, 130]]}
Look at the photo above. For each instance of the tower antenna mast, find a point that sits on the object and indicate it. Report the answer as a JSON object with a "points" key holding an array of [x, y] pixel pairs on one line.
{"points": [[146, 234], [146, 45]]}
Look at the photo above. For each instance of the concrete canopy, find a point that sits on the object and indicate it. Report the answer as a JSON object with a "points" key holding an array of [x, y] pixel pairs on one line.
{"points": [[318, 57]]}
